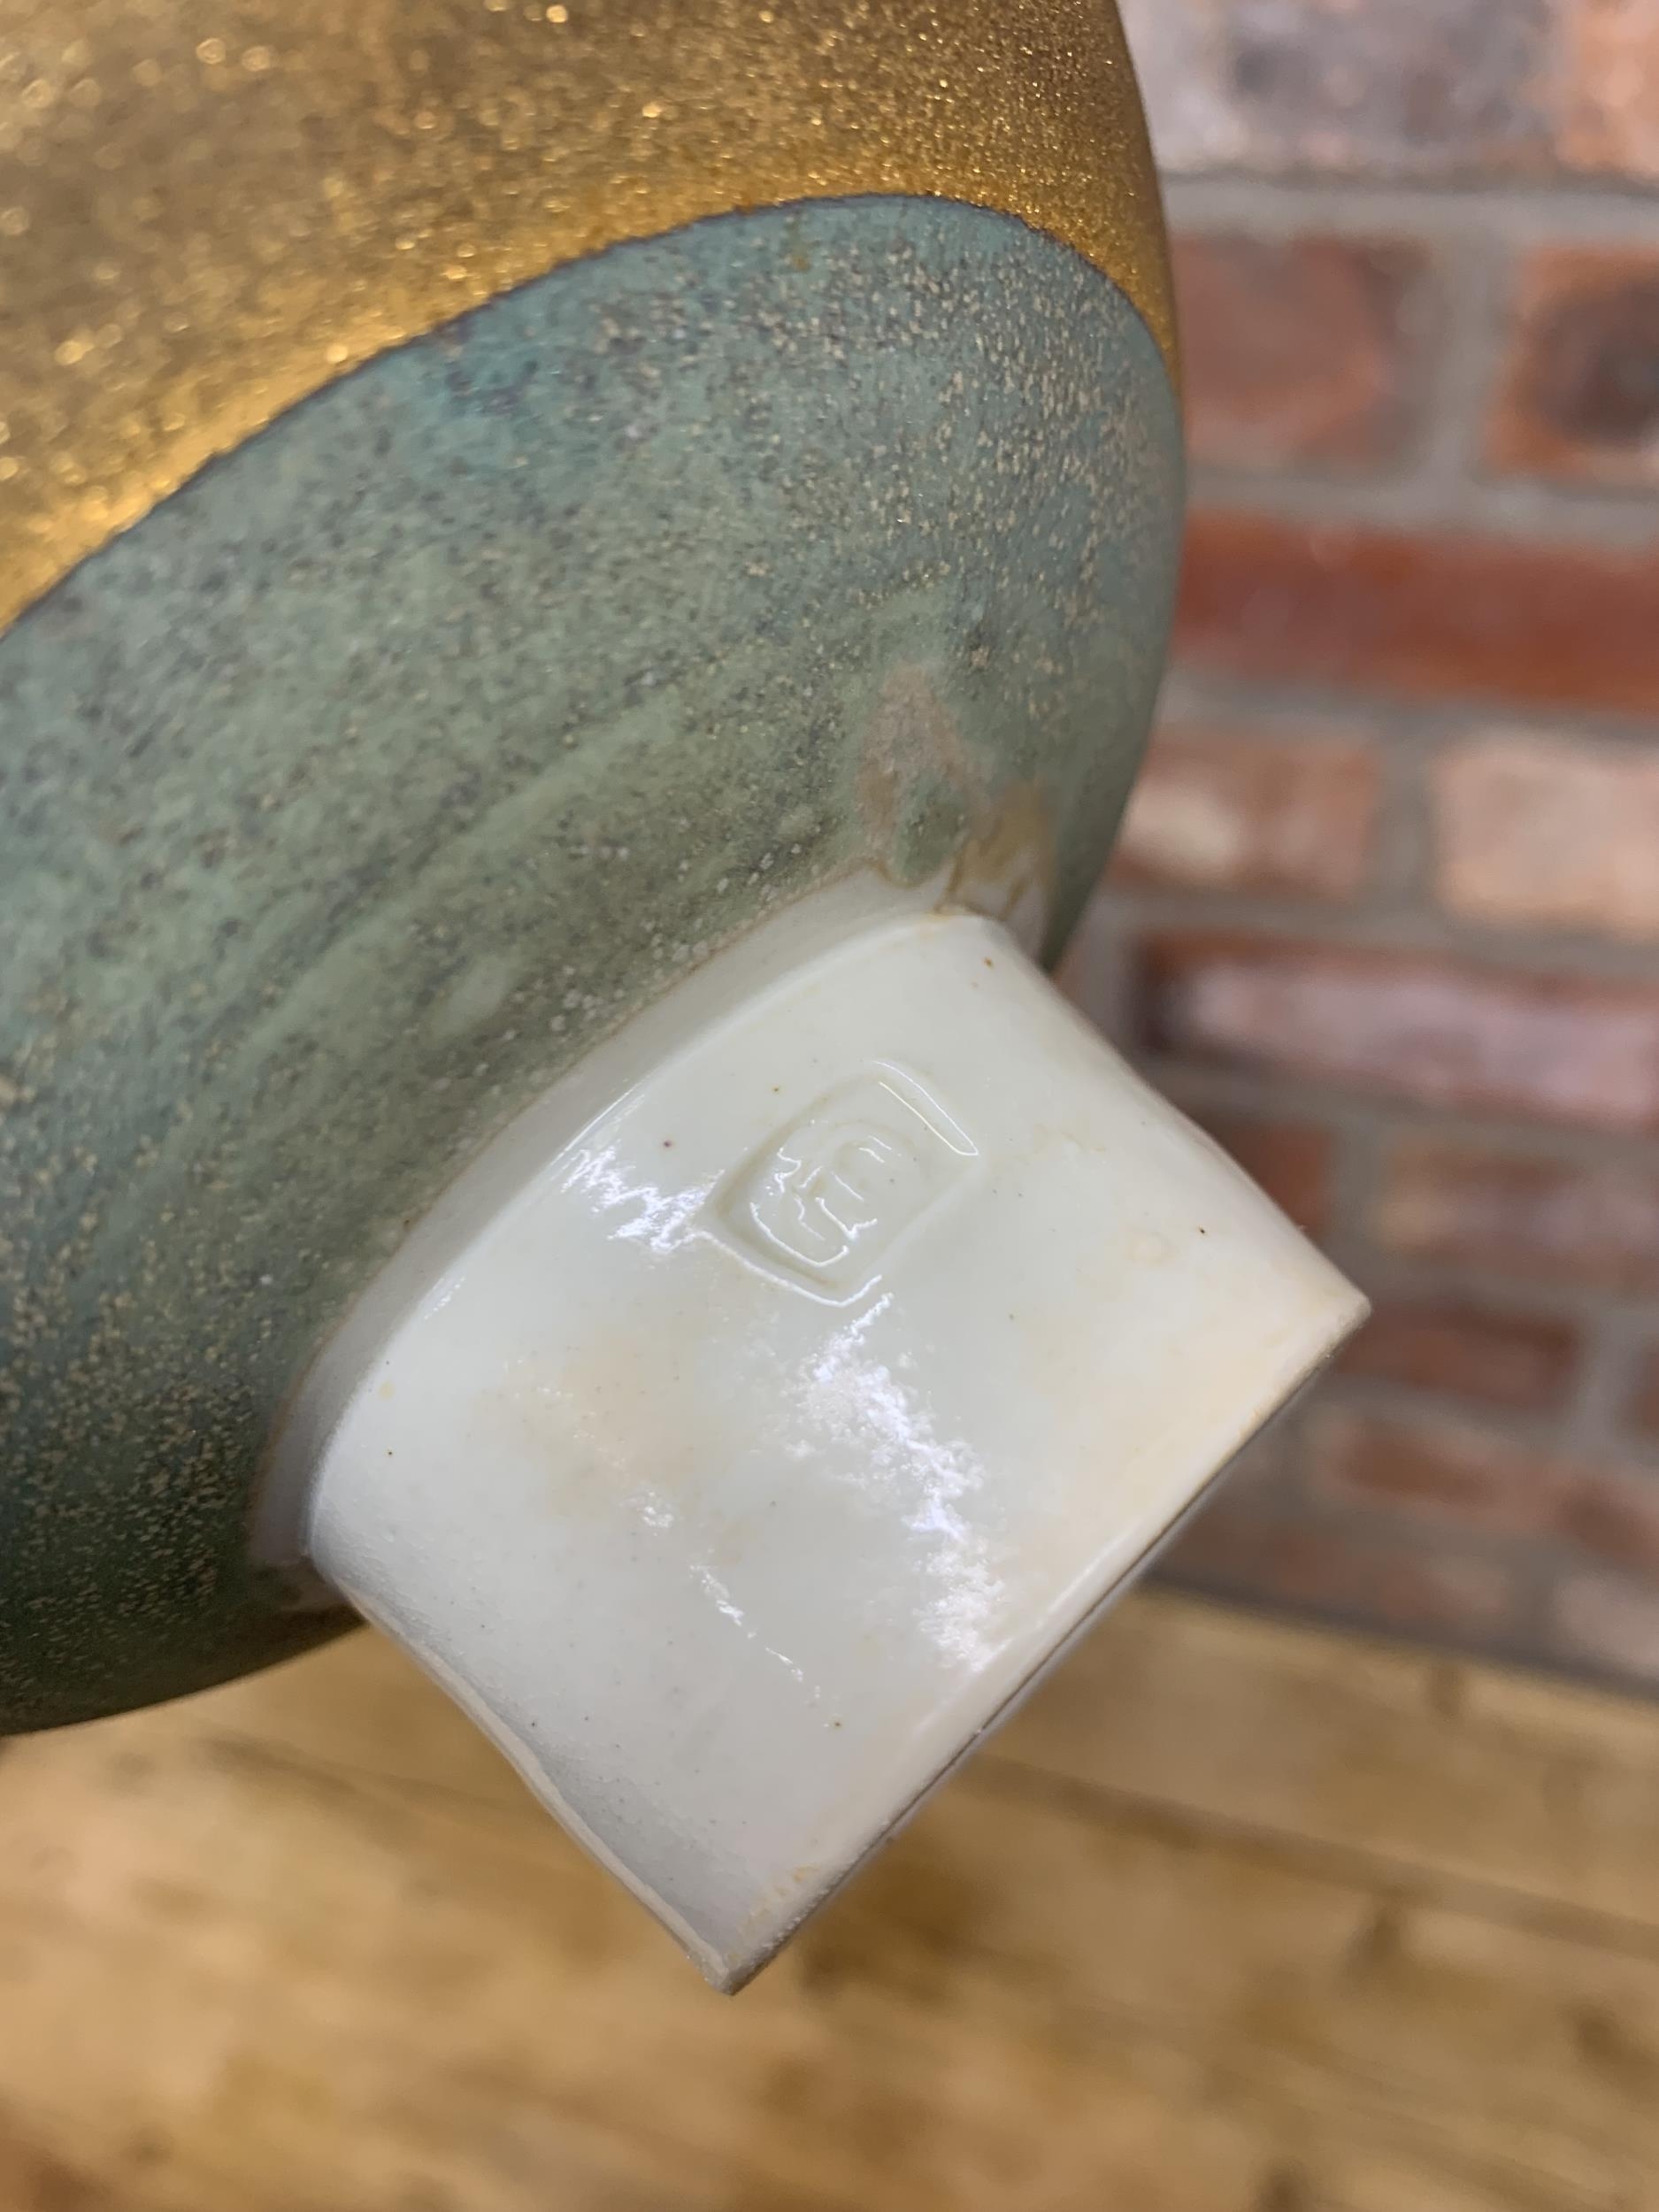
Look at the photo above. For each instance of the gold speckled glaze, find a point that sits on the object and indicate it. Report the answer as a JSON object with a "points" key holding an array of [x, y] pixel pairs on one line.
{"points": [[210, 208]]}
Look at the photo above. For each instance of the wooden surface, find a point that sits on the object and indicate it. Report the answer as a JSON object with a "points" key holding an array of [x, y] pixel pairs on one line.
{"points": [[1236, 1917]]}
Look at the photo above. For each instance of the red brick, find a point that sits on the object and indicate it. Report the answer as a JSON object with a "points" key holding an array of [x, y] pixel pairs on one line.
{"points": [[1617, 1514], [1218, 809], [1578, 398], [1610, 83], [1644, 1412], [1502, 1359], [1417, 615], [1548, 832], [1418, 88], [1470, 1206], [1301, 352], [1440, 1032], [1238, 1551], [1090, 974], [1290, 1160], [1609, 1622], [1450, 1469]]}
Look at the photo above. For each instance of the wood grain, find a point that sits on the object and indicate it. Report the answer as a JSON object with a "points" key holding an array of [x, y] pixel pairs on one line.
{"points": [[1235, 1917]]}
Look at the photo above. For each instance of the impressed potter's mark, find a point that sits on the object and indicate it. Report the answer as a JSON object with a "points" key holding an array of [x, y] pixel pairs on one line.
{"points": [[821, 1202]]}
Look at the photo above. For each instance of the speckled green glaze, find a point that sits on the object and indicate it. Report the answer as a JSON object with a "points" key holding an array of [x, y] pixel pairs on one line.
{"points": [[410, 748]]}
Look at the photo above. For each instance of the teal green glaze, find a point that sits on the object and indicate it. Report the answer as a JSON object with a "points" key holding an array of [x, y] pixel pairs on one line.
{"points": [[411, 747]]}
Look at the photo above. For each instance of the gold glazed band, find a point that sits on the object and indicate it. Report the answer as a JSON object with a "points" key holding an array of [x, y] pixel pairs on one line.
{"points": [[210, 208]]}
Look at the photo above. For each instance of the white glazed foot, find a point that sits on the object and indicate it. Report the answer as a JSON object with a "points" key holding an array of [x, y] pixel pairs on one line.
{"points": [[766, 1410]]}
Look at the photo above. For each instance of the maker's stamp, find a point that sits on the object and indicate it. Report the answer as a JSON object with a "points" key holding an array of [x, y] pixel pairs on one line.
{"points": [[823, 1201]]}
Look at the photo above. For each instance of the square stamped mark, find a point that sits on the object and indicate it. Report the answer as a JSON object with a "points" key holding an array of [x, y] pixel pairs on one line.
{"points": [[820, 1204]]}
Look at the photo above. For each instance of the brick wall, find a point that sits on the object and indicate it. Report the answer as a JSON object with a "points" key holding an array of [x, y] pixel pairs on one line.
{"points": [[1387, 912]]}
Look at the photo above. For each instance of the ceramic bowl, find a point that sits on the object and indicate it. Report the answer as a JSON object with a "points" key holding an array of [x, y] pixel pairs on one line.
{"points": [[523, 524]]}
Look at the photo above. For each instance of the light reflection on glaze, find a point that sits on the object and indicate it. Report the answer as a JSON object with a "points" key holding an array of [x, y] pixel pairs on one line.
{"points": [[709, 1581], [855, 1405], [858, 1404], [664, 1218]]}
